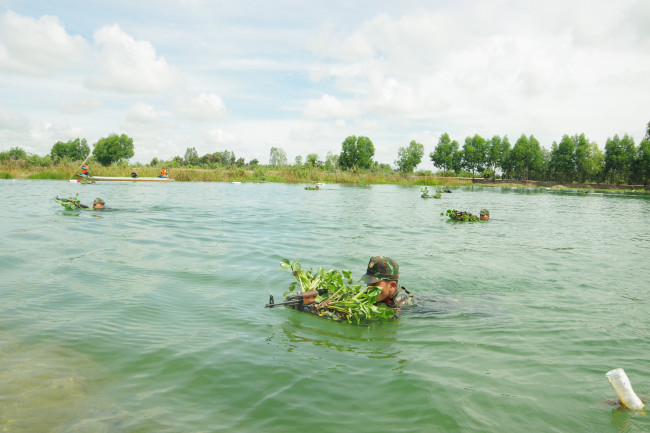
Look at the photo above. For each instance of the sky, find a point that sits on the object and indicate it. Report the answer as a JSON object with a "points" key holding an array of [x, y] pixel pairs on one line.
{"points": [[303, 75]]}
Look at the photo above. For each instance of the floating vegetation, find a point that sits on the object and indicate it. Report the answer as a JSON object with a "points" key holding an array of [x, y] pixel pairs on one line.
{"points": [[456, 215], [341, 299], [71, 203], [425, 193]]}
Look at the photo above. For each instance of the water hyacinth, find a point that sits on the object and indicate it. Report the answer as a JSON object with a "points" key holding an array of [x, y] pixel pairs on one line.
{"points": [[344, 300], [70, 203]]}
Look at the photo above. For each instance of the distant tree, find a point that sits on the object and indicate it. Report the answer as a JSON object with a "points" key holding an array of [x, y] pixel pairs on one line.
{"points": [[409, 157], [475, 154], [381, 168], [113, 148], [356, 153], [253, 161], [17, 153], [331, 161], [526, 156], [311, 160], [154, 162], [72, 150], [191, 156], [443, 155], [298, 160], [225, 158], [582, 154], [277, 157], [497, 155], [642, 162], [562, 163], [619, 158], [240, 162]]}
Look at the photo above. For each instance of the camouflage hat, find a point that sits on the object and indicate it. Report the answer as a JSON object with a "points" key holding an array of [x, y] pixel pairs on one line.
{"points": [[98, 201], [380, 268]]}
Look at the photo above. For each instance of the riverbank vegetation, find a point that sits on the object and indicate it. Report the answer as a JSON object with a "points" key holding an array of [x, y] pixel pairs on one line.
{"points": [[574, 159]]}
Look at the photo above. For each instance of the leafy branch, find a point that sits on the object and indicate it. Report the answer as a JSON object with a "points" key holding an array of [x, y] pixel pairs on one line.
{"points": [[344, 300]]}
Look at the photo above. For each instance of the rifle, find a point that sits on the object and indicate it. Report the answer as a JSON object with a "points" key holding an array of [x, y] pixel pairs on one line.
{"points": [[71, 201], [298, 300]]}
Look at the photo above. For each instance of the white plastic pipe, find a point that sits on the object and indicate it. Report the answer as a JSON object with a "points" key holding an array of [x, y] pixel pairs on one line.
{"points": [[623, 388]]}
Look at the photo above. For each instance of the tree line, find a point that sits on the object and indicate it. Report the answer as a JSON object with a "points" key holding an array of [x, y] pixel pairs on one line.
{"points": [[572, 159]]}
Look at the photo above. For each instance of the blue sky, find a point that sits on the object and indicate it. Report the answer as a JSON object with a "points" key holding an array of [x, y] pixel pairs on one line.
{"points": [[303, 75]]}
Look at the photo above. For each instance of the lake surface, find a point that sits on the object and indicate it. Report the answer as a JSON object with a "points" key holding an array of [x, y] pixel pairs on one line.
{"points": [[151, 318]]}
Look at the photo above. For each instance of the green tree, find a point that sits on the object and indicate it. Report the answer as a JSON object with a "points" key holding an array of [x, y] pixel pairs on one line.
{"points": [[113, 148], [191, 156], [298, 160], [475, 151], [562, 163], [619, 158], [498, 149], [443, 155], [225, 158], [16, 153], [253, 162], [409, 157], [72, 150], [356, 153], [311, 160], [642, 162], [331, 161], [526, 156], [277, 157]]}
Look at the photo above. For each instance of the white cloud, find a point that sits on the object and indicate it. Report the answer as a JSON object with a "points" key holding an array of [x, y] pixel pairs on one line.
{"points": [[329, 106], [12, 120], [141, 113], [81, 105], [203, 108], [37, 46], [219, 137], [128, 65]]}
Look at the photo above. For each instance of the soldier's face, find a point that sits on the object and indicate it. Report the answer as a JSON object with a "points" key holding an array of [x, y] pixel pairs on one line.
{"points": [[387, 289]]}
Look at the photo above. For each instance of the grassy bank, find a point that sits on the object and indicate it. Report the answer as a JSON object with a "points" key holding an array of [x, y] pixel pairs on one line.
{"points": [[290, 174]]}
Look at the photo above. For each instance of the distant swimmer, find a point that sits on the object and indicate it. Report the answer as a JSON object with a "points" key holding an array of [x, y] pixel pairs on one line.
{"points": [[98, 203]]}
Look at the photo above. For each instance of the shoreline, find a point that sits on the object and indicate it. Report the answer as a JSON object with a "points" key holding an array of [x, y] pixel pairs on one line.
{"points": [[292, 174], [557, 185]]}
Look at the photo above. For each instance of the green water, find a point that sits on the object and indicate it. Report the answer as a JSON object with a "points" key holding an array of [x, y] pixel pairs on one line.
{"points": [[150, 318]]}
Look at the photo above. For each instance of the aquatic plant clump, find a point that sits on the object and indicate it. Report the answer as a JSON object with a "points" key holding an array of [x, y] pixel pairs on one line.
{"points": [[343, 300], [425, 193], [456, 215], [70, 203]]}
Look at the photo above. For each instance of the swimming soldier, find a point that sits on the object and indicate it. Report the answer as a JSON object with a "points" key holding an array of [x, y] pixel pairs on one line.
{"points": [[383, 272], [98, 203]]}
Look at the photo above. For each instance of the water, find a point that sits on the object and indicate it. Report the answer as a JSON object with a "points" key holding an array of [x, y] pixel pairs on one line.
{"points": [[150, 318]]}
